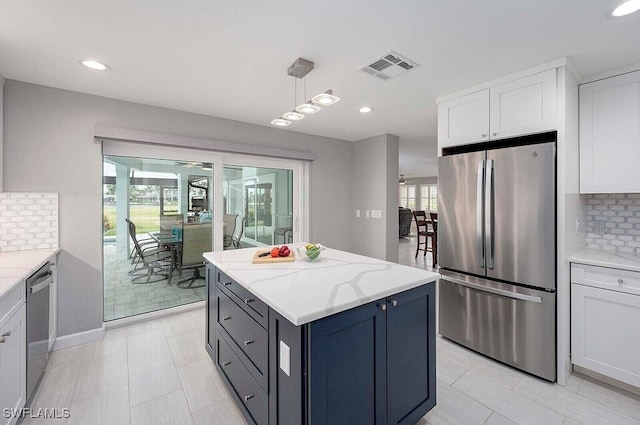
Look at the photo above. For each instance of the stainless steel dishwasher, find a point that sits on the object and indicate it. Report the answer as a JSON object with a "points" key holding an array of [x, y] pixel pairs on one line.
{"points": [[37, 325]]}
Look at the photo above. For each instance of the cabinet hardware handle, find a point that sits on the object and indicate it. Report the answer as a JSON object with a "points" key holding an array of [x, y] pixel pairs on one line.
{"points": [[494, 134], [248, 397], [249, 341], [2, 340], [248, 300], [226, 318], [227, 283], [394, 302], [226, 363], [383, 307], [6, 334], [484, 135], [620, 281]]}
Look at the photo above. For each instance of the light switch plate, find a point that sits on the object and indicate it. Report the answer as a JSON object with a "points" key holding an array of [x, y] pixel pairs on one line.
{"points": [[285, 358], [376, 214], [366, 213], [357, 213]]}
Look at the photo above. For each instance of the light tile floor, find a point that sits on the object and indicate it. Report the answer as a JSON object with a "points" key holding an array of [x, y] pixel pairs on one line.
{"points": [[159, 373]]}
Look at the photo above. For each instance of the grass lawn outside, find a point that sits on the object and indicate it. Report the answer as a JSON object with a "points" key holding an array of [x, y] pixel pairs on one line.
{"points": [[146, 218]]}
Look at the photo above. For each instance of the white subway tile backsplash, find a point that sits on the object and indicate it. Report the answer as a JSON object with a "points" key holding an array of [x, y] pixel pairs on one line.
{"points": [[28, 221], [619, 214]]}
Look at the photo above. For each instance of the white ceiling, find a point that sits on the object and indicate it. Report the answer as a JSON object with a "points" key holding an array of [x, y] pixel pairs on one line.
{"points": [[229, 58]]}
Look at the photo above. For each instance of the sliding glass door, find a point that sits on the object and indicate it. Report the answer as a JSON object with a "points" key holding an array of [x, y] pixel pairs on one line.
{"points": [[260, 200], [164, 207]]}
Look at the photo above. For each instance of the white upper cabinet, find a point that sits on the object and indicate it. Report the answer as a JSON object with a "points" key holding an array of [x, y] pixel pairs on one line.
{"points": [[610, 135], [524, 106], [464, 119]]}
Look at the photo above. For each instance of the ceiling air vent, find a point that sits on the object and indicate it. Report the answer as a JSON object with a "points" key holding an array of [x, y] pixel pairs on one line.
{"points": [[389, 65]]}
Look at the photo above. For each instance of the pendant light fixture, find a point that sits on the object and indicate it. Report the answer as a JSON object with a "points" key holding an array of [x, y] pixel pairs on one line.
{"points": [[299, 69]]}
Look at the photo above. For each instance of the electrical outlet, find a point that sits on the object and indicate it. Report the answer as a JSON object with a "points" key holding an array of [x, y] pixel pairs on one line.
{"points": [[599, 227]]}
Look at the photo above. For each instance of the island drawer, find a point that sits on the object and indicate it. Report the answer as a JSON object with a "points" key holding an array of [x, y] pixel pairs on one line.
{"points": [[246, 389], [256, 308], [249, 336]]}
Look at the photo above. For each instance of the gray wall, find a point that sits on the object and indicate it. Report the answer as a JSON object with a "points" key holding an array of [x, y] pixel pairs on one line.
{"points": [[375, 187], [49, 147]]}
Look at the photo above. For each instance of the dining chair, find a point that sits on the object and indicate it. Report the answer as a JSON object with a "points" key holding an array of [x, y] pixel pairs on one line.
{"points": [[434, 244], [153, 259], [239, 231], [424, 235], [229, 229], [196, 240]]}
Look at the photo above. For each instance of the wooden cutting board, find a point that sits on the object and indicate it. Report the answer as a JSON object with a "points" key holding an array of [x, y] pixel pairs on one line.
{"points": [[270, 260]]}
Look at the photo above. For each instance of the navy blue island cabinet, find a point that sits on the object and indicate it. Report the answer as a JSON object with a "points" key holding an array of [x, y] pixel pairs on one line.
{"points": [[371, 365]]}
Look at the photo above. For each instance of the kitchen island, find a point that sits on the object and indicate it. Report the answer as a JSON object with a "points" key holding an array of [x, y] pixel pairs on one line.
{"points": [[345, 339]]}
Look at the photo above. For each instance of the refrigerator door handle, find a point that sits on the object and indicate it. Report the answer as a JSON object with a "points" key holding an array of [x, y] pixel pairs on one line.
{"points": [[495, 291], [479, 214], [489, 213]]}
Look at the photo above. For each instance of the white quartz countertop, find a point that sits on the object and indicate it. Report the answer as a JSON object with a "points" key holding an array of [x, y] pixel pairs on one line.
{"points": [[17, 266], [613, 260], [304, 291]]}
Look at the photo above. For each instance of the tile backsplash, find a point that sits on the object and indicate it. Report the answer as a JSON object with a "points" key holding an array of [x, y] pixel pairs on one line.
{"points": [[28, 221], [613, 222]]}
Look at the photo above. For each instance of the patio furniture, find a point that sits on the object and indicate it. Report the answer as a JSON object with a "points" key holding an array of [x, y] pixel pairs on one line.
{"points": [[424, 234], [169, 221], [237, 237], [196, 240], [153, 259], [229, 229]]}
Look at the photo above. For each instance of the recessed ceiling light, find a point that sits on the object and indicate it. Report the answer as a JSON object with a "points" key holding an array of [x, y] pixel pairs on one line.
{"points": [[95, 65], [365, 109], [292, 116], [326, 98], [307, 108], [281, 122], [626, 8]]}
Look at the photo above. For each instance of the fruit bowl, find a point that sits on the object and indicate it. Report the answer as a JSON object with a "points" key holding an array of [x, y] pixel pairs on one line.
{"points": [[310, 252]]}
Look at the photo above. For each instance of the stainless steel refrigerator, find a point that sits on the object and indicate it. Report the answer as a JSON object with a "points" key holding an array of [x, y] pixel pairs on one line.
{"points": [[497, 254]]}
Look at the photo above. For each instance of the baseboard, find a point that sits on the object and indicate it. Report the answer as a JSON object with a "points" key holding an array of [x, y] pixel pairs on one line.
{"points": [[79, 338], [154, 315], [606, 380]]}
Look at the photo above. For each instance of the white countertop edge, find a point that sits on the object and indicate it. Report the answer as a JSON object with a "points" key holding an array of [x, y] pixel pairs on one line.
{"points": [[613, 260], [319, 314], [17, 273], [308, 318]]}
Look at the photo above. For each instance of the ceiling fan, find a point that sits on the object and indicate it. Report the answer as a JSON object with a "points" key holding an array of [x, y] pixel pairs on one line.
{"points": [[402, 180]]}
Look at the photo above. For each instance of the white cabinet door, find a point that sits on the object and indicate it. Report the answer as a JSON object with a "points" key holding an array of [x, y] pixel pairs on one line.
{"points": [[610, 135], [524, 106], [13, 363], [464, 120], [605, 336]]}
